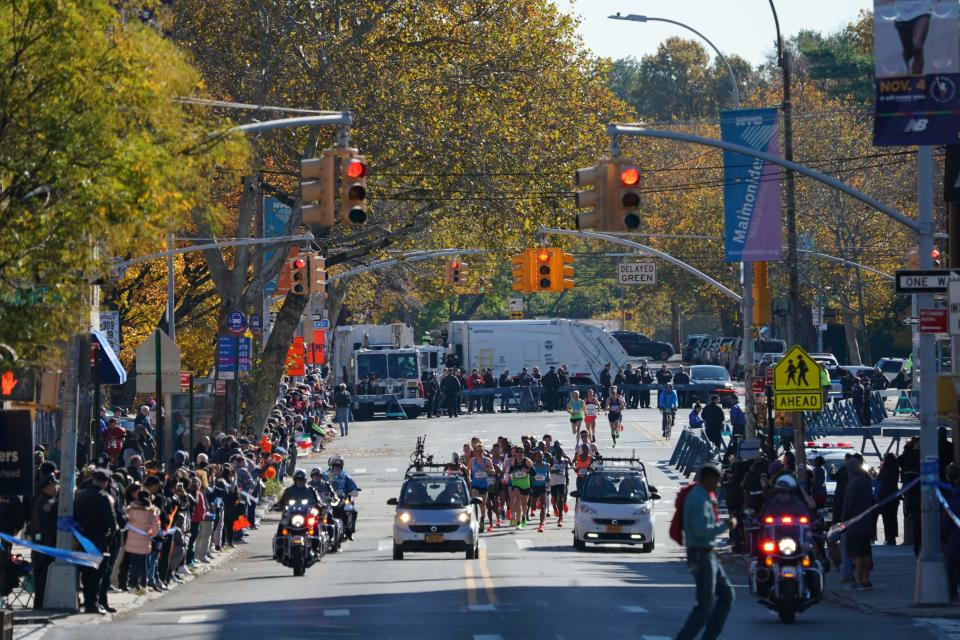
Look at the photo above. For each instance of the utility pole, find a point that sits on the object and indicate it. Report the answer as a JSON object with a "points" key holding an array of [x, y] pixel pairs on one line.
{"points": [[61, 589], [794, 323]]}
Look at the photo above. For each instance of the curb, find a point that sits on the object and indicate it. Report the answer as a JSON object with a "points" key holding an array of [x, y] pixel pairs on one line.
{"points": [[31, 617], [833, 596]]}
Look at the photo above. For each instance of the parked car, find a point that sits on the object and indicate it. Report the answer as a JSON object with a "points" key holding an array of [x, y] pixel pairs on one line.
{"points": [[825, 359], [890, 367], [707, 380], [638, 345], [693, 344], [764, 347]]}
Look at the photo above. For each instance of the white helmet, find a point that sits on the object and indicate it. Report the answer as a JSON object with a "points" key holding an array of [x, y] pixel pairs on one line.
{"points": [[785, 482]]}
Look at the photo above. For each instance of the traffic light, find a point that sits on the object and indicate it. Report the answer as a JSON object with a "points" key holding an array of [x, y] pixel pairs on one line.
{"points": [[625, 192], [543, 276], [595, 198], [316, 190], [761, 294], [318, 275], [299, 282], [457, 273], [561, 273], [353, 189], [524, 278]]}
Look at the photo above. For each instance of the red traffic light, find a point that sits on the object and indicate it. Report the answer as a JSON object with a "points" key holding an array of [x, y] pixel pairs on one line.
{"points": [[543, 256], [356, 169], [299, 263], [630, 177], [454, 265]]}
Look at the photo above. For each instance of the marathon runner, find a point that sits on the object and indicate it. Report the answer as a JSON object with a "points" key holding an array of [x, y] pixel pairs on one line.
{"points": [[519, 470], [591, 411], [481, 468], [559, 478], [538, 486], [575, 408], [614, 408]]}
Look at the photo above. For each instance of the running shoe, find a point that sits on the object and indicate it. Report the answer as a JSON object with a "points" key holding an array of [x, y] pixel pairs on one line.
{"points": [[540, 528], [490, 528], [509, 515], [499, 523], [566, 509], [560, 523], [523, 523]]}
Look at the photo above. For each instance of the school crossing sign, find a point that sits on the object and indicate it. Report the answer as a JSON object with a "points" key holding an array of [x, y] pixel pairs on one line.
{"points": [[796, 383]]}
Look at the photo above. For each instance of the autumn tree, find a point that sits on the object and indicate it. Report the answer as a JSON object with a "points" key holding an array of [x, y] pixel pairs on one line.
{"points": [[97, 160]]}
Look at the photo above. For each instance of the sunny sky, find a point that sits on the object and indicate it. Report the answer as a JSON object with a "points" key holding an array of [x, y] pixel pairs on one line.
{"points": [[744, 27]]}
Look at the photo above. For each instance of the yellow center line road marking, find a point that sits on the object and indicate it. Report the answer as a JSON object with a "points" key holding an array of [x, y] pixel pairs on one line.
{"points": [[471, 584], [487, 580], [655, 438]]}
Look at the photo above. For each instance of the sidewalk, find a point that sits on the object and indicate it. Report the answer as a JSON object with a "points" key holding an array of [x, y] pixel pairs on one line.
{"points": [[29, 621], [893, 580]]}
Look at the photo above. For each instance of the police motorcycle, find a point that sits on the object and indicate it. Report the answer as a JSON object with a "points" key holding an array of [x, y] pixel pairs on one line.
{"points": [[330, 522], [785, 574], [300, 541], [346, 491]]}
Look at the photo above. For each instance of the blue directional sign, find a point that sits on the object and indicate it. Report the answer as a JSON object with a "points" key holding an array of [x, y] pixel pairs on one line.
{"points": [[237, 322], [243, 345], [226, 357]]}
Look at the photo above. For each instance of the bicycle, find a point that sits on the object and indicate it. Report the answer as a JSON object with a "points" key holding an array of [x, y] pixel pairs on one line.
{"points": [[669, 417]]}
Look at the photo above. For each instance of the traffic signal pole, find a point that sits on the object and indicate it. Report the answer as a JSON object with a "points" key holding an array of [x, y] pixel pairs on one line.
{"points": [[595, 235], [931, 585]]}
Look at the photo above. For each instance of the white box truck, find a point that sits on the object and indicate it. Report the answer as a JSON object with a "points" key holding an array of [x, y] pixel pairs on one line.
{"points": [[514, 344]]}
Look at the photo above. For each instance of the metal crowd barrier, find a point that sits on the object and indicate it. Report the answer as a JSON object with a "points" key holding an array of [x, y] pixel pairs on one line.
{"points": [[691, 452]]}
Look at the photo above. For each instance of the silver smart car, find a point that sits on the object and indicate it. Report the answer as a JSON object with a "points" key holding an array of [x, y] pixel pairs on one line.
{"points": [[435, 513]]}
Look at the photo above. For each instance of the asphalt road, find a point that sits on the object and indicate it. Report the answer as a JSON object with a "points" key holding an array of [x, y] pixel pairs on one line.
{"points": [[524, 585]]}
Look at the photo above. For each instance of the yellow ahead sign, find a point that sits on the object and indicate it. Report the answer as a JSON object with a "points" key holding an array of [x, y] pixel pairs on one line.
{"points": [[796, 372], [796, 382]]}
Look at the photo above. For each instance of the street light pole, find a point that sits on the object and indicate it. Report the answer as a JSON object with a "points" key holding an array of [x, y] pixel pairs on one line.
{"points": [[735, 90], [746, 268], [793, 264]]}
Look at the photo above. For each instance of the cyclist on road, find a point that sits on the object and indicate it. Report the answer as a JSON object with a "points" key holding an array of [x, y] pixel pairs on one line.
{"points": [[668, 403]]}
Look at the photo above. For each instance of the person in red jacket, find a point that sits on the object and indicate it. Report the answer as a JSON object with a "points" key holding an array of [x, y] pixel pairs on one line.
{"points": [[112, 439]]}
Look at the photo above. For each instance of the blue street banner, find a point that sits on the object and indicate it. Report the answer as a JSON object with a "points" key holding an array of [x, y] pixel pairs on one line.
{"points": [[751, 192], [275, 218], [917, 72]]}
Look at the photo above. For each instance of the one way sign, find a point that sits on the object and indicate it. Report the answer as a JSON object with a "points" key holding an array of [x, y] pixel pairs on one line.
{"points": [[932, 281]]}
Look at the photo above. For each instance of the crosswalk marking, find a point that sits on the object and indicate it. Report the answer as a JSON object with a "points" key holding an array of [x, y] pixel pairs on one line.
{"points": [[336, 613], [523, 543], [383, 545], [359, 471], [391, 470], [491, 636], [481, 608], [192, 618]]}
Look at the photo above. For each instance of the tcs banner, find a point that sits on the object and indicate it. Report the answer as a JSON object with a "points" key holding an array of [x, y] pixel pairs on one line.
{"points": [[296, 358]]}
